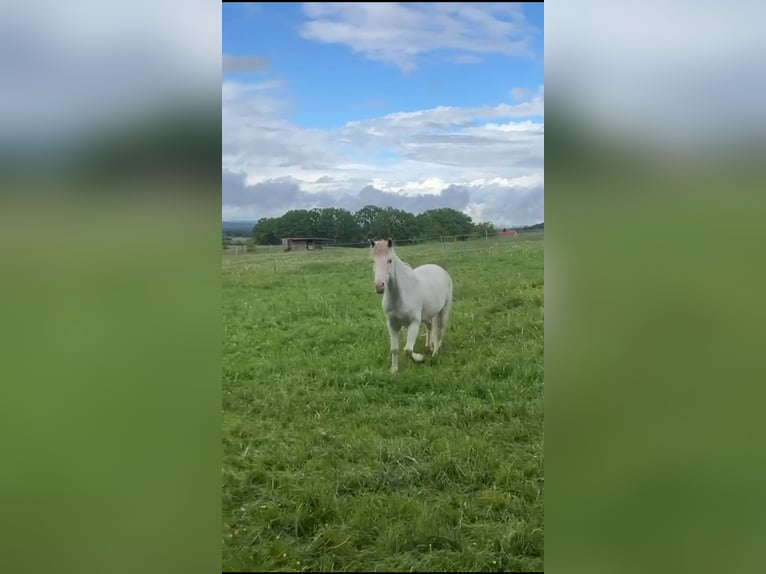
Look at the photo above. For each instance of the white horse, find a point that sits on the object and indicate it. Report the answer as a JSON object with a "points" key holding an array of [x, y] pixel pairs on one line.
{"points": [[411, 297]]}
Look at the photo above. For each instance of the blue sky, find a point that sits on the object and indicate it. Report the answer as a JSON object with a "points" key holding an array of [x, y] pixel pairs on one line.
{"points": [[419, 105]]}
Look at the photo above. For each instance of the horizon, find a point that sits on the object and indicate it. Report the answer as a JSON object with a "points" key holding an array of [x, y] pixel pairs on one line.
{"points": [[452, 120], [254, 221]]}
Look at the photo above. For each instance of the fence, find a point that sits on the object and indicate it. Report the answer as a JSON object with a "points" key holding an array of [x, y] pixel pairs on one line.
{"points": [[348, 254], [266, 249], [236, 248]]}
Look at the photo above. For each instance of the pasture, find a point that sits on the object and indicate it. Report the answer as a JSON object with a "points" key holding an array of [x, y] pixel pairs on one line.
{"points": [[332, 463]]}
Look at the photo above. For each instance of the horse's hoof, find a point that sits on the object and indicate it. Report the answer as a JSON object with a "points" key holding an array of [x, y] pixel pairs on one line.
{"points": [[417, 357]]}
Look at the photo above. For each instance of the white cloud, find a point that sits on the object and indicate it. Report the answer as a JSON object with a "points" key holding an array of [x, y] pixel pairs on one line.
{"points": [[445, 117], [429, 186], [519, 94], [486, 161], [398, 33]]}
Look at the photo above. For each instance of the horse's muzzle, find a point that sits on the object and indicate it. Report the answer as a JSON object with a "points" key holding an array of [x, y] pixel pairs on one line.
{"points": [[380, 287]]}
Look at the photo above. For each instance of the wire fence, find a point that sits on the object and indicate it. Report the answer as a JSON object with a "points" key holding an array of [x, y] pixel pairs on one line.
{"points": [[243, 248], [342, 255]]}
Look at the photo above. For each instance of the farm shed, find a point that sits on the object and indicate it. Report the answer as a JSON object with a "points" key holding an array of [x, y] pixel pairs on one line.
{"points": [[507, 232], [304, 243]]}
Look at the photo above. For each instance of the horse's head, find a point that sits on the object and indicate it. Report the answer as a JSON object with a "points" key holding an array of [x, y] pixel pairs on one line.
{"points": [[381, 262]]}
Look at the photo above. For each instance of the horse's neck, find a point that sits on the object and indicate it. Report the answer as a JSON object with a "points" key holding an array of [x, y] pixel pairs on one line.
{"points": [[403, 278]]}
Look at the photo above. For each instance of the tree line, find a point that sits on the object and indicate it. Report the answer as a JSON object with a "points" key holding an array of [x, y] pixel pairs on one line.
{"points": [[370, 222]]}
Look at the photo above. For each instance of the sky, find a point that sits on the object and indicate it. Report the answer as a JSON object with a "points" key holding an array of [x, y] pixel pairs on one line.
{"points": [[409, 105]]}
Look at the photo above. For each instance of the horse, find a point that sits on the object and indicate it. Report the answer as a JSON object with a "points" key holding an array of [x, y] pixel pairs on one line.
{"points": [[411, 297]]}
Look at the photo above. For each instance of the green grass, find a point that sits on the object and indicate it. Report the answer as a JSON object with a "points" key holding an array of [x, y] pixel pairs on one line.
{"points": [[331, 463]]}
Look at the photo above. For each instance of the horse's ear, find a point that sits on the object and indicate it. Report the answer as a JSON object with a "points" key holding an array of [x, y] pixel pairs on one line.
{"points": [[372, 243], [390, 242]]}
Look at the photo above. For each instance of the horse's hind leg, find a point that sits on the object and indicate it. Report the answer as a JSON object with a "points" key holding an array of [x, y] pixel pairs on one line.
{"points": [[435, 343], [442, 320]]}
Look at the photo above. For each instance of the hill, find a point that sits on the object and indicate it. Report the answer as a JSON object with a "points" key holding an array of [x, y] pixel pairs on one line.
{"points": [[534, 227], [238, 228]]}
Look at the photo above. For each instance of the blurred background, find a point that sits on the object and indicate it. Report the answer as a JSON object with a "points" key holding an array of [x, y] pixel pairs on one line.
{"points": [[110, 141], [109, 223], [654, 203]]}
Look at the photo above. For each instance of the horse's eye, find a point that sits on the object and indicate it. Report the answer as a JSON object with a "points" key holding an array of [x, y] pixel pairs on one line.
{"points": [[389, 261]]}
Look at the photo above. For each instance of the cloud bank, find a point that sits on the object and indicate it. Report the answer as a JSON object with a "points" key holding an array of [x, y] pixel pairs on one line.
{"points": [[486, 161]]}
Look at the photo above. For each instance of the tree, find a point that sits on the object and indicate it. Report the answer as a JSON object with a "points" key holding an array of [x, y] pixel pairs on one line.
{"points": [[370, 222], [347, 228], [265, 231], [485, 229], [445, 221], [365, 218], [395, 223], [338, 224], [297, 223]]}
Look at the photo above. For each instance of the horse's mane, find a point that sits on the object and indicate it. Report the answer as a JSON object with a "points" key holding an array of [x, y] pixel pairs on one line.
{"points": [[402, 261]]}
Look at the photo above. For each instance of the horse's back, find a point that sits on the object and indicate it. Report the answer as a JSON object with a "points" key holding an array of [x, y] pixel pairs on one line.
{"points": [[433, 273], [437, 282]]}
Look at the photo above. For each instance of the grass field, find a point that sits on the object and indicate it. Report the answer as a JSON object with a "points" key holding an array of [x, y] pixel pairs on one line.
{"points": [[331, 463]]}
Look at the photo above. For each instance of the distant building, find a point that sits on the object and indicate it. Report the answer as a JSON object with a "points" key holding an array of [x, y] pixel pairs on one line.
{"points": [[507, 232], [304, 243]]}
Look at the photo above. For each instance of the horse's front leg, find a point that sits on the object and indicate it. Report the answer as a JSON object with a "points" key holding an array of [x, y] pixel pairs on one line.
{"points": [[412, 335], [393, 331]]}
